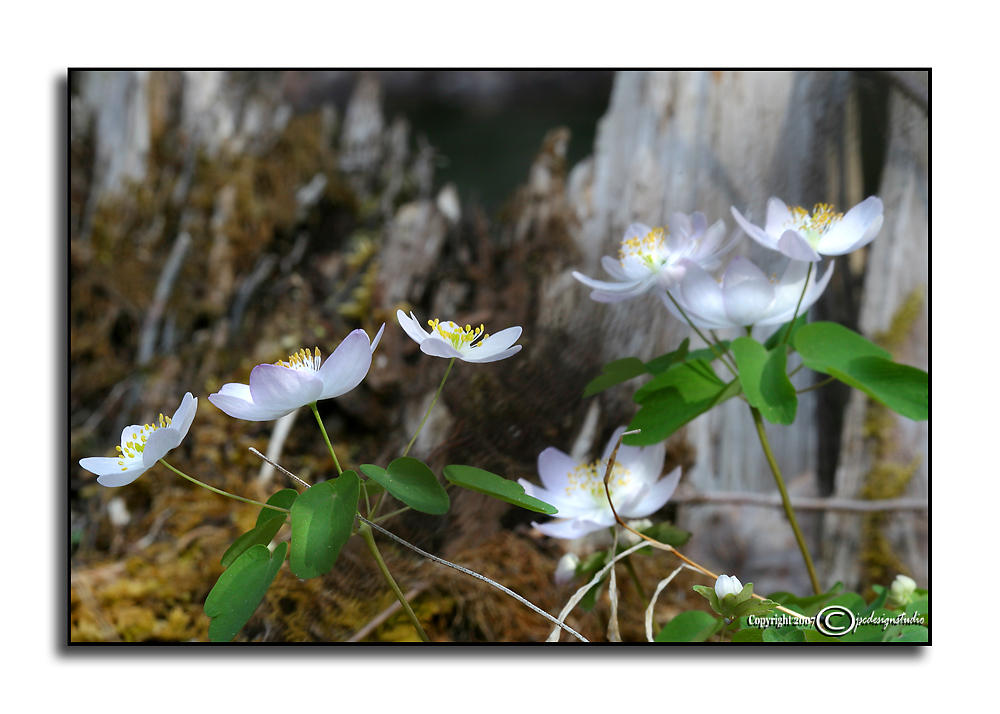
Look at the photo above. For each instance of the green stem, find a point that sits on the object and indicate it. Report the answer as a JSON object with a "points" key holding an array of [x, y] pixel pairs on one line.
{"points": [[785, 502], [711, 345], [326, 438], [433, 402], [635, 577], [815, 386], [220, 491], [366, 533], [795, 315]]}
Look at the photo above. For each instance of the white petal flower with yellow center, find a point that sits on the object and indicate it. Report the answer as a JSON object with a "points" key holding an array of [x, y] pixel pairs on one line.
{"points": [[804, 235], [469, 344], [142, 446], [746, 295], [280, 388], [651, 258], [577, 489]]}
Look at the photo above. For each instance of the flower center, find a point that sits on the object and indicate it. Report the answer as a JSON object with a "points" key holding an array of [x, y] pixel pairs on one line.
{"points": [[813, 226], [651, 248], [589, 478], [135, 443], [458, 337], [303, 361]]}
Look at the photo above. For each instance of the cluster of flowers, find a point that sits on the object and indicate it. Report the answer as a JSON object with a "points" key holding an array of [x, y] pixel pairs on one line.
{"points": [[678, 265]]}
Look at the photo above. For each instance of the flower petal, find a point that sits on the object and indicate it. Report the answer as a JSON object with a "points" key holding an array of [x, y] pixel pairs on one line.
{"points": [[437, 347], [495, 357], [753, 231], [158, 444], [796, 247], [411, 326], [813, 292], [346, 367], [281, 388], [109, 473], [747, 293], [499, 341], [605, 285], [778, 217], [184, 416], [701, 295], [569, 528], [856, 229], [655, 496], [239, 408], [612, 267], [378, 337], [554, 467]]}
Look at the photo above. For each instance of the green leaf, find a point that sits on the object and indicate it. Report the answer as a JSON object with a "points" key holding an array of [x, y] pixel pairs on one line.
{"points": [[764, 380], [835, 350], [413, 483], [782, 634], [808, 605], [481, 481], [621, 370], [667, 533], [778, 335], [675, 397], [269, 522], [910, 633], [322, 519], [689, 626], [750, 634], [707, 353], [239, 590], [664, 362]]}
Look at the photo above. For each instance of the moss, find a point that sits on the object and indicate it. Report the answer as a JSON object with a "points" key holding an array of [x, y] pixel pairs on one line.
{"points": [[888, 478]]}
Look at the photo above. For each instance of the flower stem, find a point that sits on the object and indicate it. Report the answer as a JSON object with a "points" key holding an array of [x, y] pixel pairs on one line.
{"points": [[710, 343], [326, 438], [220, 491], [795, 315], [366, 533], [433, 402], [785, 502]]}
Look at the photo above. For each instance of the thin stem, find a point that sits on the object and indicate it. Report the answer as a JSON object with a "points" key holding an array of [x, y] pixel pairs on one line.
{"points": [[711, 345], [220, 491], [795, 315], [785, 502], [473, 574], [635, 578], [279, 467], [811, 387], [433, 402], [326, 438], [366, 534]]}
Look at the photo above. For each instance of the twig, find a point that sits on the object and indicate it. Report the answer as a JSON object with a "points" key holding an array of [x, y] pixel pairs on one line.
{"points": [[614, 631], [278, 466], [147, 337], [656, 594], [803, 504], [282, 427], [476, 575], [385, 614]]}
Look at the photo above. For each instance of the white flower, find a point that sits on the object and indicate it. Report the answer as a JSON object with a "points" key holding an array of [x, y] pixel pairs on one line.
{"points": [[802, 235], [651, 257], [280, 388], [447, 339], [566, 568], [901, 590], [577, 490], [142, 446], [746, 296], [727, 585]]}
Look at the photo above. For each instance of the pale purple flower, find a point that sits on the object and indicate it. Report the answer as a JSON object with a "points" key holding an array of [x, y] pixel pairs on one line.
{"points": [[142, 446], [577, 489], [280, 388], [746, 295], [802, 235], [651, 258], [469, 344]]}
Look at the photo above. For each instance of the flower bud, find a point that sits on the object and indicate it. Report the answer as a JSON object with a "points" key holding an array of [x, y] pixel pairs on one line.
{"points": [[566, 568], [727, 585], [901, 591]]}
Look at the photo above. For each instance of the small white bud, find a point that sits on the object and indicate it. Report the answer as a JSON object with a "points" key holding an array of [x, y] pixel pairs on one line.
{"points": [[901, 590], [566, 568], [727, 585]]}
